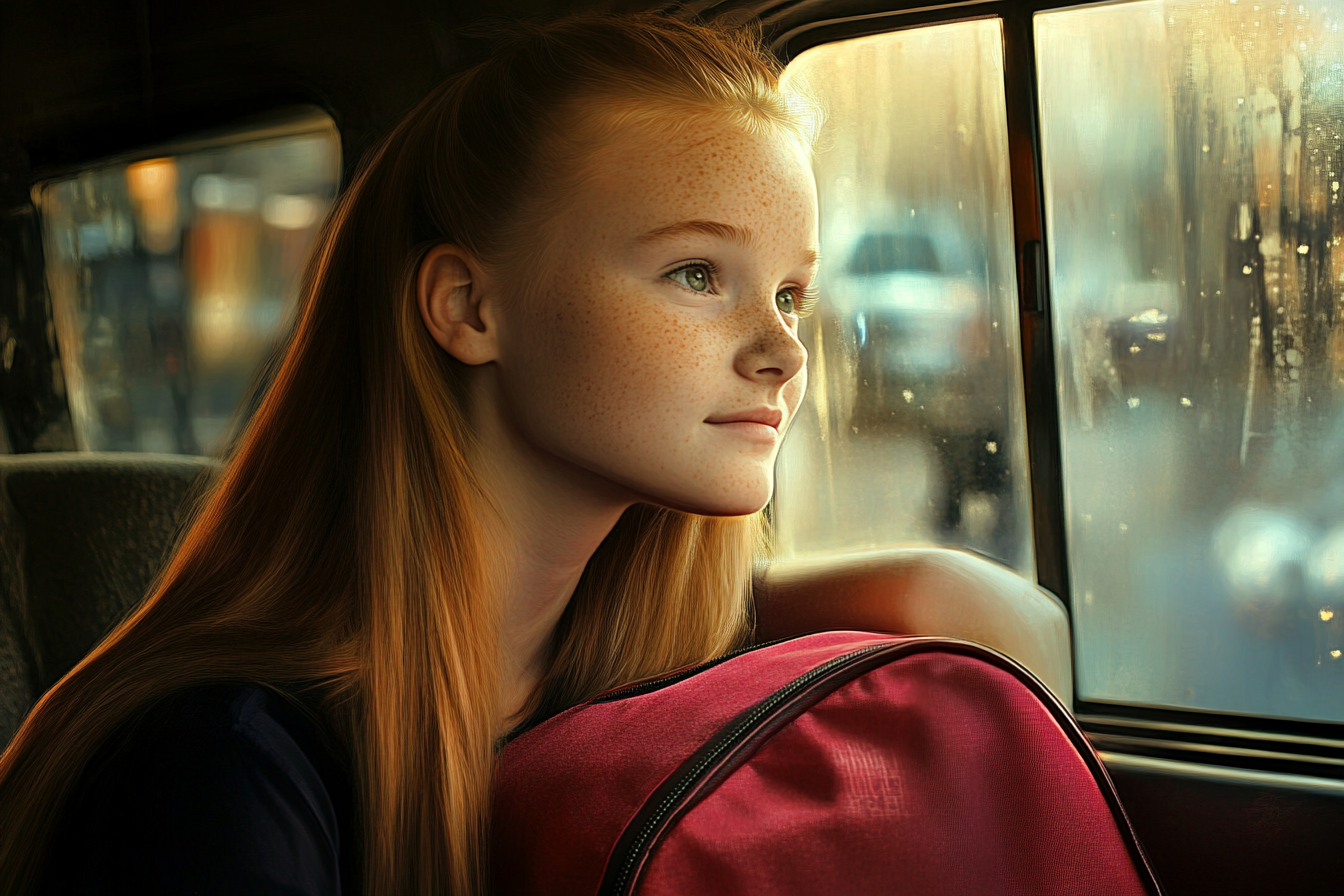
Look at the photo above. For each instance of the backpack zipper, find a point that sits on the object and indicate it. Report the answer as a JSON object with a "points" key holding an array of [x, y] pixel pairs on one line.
{"points": [[632, 848], [633, 851]]}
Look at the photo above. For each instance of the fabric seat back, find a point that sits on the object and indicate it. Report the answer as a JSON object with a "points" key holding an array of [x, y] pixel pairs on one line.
{"points": [[82, 536]]}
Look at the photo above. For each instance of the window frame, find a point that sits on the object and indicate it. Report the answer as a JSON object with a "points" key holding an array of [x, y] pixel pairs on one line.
{"points": [[1243, 748]]}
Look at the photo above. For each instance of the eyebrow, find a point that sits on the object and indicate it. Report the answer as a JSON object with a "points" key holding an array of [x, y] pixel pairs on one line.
{"points": [[717, 229]]}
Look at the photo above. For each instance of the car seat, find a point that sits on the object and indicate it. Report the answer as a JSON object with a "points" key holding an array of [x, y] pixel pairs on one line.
{"points": [[82, 535]]}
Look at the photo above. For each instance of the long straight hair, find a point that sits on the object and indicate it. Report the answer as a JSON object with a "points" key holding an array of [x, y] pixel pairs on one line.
{"points": [[344, 553]]}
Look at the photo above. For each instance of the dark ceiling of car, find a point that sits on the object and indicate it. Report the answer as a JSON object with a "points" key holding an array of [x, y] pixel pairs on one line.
{"points": [[84, 80], [81, 80]]}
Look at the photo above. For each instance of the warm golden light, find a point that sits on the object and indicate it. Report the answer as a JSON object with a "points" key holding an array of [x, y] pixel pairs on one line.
{"points": [[153, 188], [912, 430], [222, 261]]}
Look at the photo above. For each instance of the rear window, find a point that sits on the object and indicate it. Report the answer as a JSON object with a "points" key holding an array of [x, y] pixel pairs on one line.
{"points": [[174, 277]]}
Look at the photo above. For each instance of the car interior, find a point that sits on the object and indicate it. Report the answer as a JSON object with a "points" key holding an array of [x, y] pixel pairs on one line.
{"points": [[1089, 350]]}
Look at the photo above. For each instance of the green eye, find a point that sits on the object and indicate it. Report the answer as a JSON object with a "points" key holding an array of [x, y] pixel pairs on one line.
{"points": [[784, 301], [694, 277]]}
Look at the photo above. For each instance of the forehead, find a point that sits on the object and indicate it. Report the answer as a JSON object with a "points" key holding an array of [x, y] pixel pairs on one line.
{"points": [[646, 177]]}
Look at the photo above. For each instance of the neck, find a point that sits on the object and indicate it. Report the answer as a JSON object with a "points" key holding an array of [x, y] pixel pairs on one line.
{"points": [[552, 516]]}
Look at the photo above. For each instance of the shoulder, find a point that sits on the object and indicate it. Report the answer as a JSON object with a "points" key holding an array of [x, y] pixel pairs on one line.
{"points": [[217, 789], [926, 591]]}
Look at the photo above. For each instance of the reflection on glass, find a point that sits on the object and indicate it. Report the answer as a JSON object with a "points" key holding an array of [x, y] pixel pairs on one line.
{"points": [[172, 280], [1193, 159], [913, 428]]}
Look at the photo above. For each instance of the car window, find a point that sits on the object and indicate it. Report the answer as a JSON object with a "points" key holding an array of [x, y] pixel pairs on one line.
{"points": [[1192, 166], [913, 427], [174, 276]]}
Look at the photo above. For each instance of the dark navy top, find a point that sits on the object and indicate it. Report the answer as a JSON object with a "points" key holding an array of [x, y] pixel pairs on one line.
{"points": [[225, 789]]}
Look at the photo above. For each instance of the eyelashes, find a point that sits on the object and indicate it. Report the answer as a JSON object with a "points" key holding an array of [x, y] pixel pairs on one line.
{"points": [[804, 300]]}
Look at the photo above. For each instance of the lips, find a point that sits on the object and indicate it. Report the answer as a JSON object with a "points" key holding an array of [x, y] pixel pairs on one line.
{"points": [[756, 425], [767, 416]]}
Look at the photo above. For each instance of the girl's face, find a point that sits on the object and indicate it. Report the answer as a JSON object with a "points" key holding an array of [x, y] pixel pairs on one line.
{"points": [[658, 346]]}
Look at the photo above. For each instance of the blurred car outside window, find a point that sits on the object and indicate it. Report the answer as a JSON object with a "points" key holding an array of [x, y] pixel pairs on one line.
{"points": [[1192, 155], [174, 279], [913, 428]]}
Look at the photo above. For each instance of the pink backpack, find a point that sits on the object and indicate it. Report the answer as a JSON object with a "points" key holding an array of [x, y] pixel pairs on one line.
{"points": [[840, 762]]}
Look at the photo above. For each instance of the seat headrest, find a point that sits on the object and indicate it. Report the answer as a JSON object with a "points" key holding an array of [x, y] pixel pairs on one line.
{"points": [[93, 529]]}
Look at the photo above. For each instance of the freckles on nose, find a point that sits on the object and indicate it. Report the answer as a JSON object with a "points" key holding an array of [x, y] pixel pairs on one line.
{"points": [[772, 350]]}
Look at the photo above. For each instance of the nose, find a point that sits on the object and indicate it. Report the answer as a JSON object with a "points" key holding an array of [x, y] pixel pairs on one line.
{"points": [[772, 355]]}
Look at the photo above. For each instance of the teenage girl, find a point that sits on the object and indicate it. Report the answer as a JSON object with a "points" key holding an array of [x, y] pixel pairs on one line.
{"points": [[516, 455]]}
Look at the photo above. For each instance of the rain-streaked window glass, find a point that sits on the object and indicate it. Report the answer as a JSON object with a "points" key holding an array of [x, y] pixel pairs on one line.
{"points": [[1193, 154], [173, 278], [913, 427]]}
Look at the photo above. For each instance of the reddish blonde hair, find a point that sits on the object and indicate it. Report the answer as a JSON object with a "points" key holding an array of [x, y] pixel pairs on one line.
{"points": [[342, 553]]}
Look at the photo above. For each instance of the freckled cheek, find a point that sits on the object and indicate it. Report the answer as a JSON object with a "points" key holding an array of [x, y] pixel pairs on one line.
{"points": [[572, 334], [623, 372]]}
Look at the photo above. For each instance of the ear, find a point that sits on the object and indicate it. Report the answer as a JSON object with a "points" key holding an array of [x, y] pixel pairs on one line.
{"points": [[454, 296]]}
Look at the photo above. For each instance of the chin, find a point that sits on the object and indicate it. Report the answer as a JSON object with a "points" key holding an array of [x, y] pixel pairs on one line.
{"points": [[733, 491], [727, 501]]}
